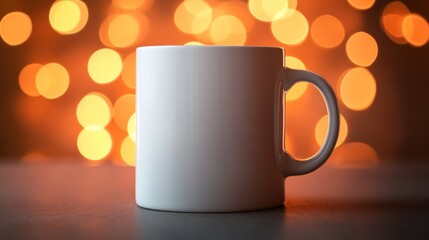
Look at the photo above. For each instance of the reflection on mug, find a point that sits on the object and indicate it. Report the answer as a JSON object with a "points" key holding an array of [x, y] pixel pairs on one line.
{"points": [[268, 224]]}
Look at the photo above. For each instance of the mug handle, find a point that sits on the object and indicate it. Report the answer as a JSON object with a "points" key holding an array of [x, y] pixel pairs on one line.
{"points": [[288, 165]]}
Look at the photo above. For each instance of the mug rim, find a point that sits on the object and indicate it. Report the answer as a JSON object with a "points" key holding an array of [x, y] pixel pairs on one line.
{"points": [[206, 46]]}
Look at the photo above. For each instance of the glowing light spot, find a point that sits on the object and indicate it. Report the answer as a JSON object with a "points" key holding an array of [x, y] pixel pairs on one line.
{"points": [[128, 151], [361, 4], [327, 31], [129, 71], [193, 17], [290, 29], [104, 65], [228, 30], [358, 88], [362, 49], [68, 16], [297, 89], [239, 9], [15, 28], [27, 79], [52, 80], [266, 10], [354, 155], [392, 18], [322, 129], [94, 111], [142, 5], [124, 107], [194, 43], [123, 30], [131, 127], [295, 63], [94, 144], [415, 29]]}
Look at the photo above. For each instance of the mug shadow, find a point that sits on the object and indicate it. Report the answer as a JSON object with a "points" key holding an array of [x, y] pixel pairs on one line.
{"points": [[326, 218], [266, 224]]}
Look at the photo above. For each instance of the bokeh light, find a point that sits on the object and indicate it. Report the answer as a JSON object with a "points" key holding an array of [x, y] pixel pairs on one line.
{"points": [[322, 129], [266, 10], [327, 31], [131, 127], [94, 111], [124, 30], [193, 17], [104, 65], [290, 28], [228, 30], [128, 151], [298, 89], [94, 144], [68, 16], [239, 9], [415, 29], [128, 73], [361, 4], [194, 43], [141, 5], [106, 109], [52, 80], [124, 107], [27, 79], [357, 88], [392, 18], [362, 49], [15, 28], [354, 155]]}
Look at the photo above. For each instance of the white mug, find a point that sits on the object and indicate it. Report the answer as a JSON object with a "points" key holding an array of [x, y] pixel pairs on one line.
{"points": [[210, 128]]}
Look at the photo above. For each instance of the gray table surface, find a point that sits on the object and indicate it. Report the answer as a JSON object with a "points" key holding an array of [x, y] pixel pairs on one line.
{"points": [[81, 202]]}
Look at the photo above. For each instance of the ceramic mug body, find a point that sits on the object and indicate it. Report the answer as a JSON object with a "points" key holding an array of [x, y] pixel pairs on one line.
{"points": [[205, 128]]}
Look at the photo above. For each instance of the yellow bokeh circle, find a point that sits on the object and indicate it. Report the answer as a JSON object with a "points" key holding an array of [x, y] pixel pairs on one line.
{"points": [[228, 30], [94, 144], [290, 28], [94, 111], [193, 43], [131, 127], [298, 89], [128, 151], [52, 80], [322, 129], [266, 10], [141, 5], [193, 17], [104, 65], [361, 4], [68, 16], [123, 30]]}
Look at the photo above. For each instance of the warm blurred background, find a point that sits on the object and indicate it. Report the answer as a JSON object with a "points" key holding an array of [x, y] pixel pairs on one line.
{"points": [[68, 82]]}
